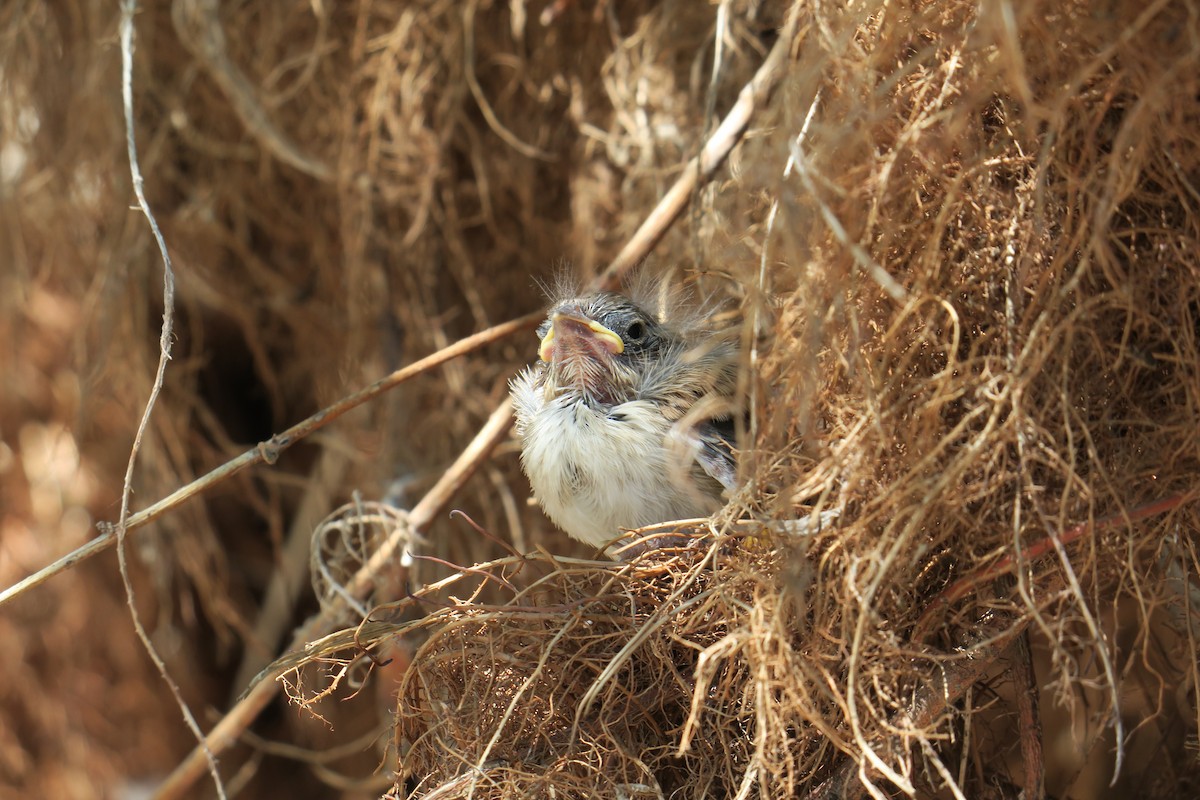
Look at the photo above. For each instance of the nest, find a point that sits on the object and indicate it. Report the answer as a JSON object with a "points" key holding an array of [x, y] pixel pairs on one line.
{"points": [[982, 354], [598, 679], [963, 242]]}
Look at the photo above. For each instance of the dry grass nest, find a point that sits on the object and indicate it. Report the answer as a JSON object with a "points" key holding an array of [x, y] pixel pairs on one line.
{"points": [[963, 241], [982, 291]]}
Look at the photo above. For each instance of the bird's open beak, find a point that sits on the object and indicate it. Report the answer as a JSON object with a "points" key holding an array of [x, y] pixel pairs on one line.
{"points": [[570, 334]]}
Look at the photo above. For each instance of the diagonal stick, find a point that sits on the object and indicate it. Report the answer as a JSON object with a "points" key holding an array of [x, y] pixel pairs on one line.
{"points": [[268, 451]]}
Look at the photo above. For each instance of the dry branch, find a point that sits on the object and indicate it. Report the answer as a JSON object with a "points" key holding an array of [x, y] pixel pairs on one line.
{"points": [[268, 452]]}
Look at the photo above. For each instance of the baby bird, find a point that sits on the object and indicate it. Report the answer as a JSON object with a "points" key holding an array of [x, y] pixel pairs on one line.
{"points": [[625, 421]]}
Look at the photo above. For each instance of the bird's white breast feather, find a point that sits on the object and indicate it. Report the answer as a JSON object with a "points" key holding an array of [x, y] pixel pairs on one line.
{"points": [[598, 470]]}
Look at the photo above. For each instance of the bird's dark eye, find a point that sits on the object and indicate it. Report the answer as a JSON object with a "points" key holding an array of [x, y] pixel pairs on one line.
{"points": [[635, 332]]}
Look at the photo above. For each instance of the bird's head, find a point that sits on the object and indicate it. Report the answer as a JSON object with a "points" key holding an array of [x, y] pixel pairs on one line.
{"points": [[598, 345]]}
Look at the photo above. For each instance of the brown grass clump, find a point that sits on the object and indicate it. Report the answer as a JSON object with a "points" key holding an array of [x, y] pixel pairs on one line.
{"points": [[964, 240], [637, 679], [984, 356]]}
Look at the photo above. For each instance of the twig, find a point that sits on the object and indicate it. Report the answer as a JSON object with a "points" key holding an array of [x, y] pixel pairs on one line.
{"points": [[720, 33], [128, 10], [862, 258], [702, 167], [484, 532], [268, 451], [487, 576], [994, 640], [1025, 685]]}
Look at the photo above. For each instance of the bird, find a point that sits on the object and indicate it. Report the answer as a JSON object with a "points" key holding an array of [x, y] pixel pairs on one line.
{"points": [[627, 418]]}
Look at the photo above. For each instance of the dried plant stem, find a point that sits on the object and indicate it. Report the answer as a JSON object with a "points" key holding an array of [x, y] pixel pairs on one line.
{"points": [[290, 578], [1025, 683], [1003, 636], [268, 452], [485, 107], [702, 167], [862, 258], [118, 531]]}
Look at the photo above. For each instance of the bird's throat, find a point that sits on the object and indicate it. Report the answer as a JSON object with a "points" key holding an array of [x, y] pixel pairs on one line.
{"points": [[583, 377]]}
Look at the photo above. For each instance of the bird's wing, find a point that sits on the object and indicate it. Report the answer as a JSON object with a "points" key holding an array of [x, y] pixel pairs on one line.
{"points": [[715, 454]]}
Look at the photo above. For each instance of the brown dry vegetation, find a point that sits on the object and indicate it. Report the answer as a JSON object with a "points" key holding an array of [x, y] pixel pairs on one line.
{"points": [[970, 293]]}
